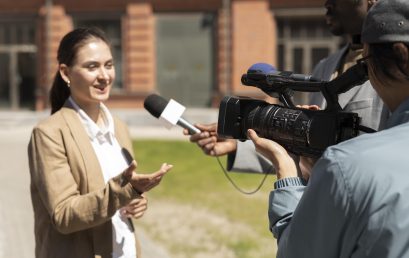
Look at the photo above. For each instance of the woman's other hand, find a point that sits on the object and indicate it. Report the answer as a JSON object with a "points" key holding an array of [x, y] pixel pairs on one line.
{"points": [[136, 208]]}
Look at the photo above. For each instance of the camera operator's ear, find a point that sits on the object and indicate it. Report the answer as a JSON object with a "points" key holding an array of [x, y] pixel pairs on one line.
{"points": [[401, 53]]}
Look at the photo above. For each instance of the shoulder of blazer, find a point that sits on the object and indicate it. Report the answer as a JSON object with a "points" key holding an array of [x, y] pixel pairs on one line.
{"points": [[58, 120], [51, 125]]}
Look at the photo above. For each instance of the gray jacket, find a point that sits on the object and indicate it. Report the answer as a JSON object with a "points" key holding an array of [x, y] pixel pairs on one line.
{"points": [[355, 204]]}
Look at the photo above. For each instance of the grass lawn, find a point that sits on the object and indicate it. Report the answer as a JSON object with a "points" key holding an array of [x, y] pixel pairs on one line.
{"points": [[196, 211]]}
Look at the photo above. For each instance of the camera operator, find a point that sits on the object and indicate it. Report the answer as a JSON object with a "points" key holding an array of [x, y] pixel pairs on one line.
{"points": [[344, 17], [355, 204]]}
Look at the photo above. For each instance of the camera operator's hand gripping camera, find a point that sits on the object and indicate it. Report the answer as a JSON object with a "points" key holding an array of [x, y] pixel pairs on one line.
{"points": [[301, 131]]}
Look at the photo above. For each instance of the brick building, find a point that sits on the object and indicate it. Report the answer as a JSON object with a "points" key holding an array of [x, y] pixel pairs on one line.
{"points": [[193, 51]]}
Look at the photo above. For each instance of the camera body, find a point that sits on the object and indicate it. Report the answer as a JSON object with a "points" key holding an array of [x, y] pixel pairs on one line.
{"points": [[301, 131]]}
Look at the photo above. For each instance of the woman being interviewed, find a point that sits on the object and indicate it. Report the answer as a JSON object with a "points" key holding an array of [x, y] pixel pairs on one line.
{"points": [[83, 186]]}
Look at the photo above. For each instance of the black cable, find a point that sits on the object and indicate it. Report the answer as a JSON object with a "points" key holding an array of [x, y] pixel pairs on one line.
{"points": [[366, 129], [235, 185]]}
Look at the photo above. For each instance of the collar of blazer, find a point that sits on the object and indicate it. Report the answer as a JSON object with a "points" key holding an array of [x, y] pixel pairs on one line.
{"points": [[333, 62]]}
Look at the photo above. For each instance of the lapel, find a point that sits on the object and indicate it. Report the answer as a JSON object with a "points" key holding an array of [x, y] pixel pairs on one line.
{"points": [[333, 63], [324, 71], [344, 98], [90, 161], [122, 136]]}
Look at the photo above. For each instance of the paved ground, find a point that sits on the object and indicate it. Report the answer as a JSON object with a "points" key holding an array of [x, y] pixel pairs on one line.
{"points": [[16, 215]]}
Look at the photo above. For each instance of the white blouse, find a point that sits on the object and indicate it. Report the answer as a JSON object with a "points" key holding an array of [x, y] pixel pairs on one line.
{"points": [[112, 162]]}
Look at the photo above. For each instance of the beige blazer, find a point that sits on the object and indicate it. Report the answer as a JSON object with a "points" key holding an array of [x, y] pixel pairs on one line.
{"points": [[72, 204]]}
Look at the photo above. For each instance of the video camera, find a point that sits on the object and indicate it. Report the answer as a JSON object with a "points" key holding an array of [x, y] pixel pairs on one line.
{"points": [[301, 131]]}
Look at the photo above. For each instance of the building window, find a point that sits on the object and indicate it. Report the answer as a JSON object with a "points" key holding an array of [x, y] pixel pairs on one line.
{"points": [[184, 57], [17, 33], [112, 29], [17, 63], [302, 43]]}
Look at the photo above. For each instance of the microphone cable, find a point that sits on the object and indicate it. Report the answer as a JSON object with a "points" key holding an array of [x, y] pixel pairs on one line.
{"points": [[366, 129], [236, 186]]}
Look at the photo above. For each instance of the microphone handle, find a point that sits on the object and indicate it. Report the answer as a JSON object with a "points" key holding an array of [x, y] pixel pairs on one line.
{"points": [[185, 124]]}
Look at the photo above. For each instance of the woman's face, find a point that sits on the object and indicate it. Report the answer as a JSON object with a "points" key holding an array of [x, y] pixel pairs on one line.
{"points": [[91, 74]]}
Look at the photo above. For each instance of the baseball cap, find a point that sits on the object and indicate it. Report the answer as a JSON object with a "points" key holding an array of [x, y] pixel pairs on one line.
{"points": [[387, 21]]}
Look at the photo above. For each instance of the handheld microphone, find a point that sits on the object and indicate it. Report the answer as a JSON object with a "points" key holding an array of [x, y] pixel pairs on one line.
{"points": [[168, 111]]}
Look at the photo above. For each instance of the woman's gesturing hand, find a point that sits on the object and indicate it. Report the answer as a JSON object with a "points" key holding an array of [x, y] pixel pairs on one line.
{"points": [[145, 182]]}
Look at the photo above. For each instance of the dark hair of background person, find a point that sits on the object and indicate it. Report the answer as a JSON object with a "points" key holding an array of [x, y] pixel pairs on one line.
{"points": [[385, 58], [66, 54]]}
